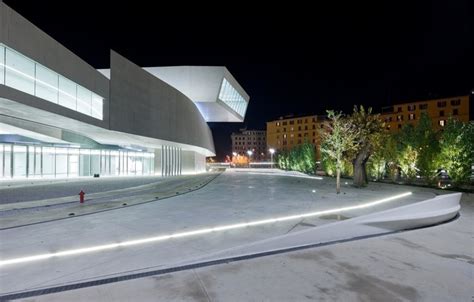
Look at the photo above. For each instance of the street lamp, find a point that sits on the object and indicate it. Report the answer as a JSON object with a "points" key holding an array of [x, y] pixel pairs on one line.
{"points": [[249, 152], [271, 150]]}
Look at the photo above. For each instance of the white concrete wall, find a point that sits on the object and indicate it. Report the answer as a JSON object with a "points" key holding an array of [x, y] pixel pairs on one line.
{"points": [[142, 104]]}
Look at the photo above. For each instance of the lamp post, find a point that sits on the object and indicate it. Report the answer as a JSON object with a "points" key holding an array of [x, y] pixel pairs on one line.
{"points": [[271, 150], [249, 152]]}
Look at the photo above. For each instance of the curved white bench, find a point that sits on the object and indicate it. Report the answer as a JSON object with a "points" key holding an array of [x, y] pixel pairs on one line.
{"points": [[421, 214]]}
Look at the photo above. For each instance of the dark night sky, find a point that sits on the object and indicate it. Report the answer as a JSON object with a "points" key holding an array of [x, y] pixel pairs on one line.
{"points": [[293, 60]]}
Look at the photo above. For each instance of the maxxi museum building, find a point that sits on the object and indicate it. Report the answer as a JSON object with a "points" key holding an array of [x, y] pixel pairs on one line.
{"points": [[60, 117]]}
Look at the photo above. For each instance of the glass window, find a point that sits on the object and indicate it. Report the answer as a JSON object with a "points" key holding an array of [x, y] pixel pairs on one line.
{"points": [[61, 162], [95, 161], [424, 106], [49, 161], [85, 162], [46, 84], [442, 104], [97, 106], [229, 95], [84, 99], [19, 161], [20, 72], [2, 65], [67, 93], [455, 102], [7, 168]]}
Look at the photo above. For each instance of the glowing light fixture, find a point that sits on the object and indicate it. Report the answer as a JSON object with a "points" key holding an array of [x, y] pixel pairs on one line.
{"points": [[196, 232]]}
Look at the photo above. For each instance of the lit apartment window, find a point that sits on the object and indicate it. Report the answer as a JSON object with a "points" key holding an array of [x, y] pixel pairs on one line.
{"points": [[441, 113], [411, 116], [399, 117], [455, 111], [291, 135], [442, 123], [388, 127], [441, 104], [455, 102], [284, 135], [423, 106], [411, 107], [278, 124], [292, 129]]}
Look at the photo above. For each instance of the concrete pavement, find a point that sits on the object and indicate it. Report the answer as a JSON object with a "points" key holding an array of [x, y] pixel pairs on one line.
{"points": [[231, 198]]}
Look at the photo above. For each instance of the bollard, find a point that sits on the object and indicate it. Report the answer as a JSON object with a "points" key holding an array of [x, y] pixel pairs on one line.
{"points": [[81, 196]]}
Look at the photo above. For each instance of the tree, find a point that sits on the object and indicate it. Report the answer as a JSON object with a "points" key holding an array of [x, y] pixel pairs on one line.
{"points": [[337, 139], [457, 150], [427, 145], [407, 154], [369, 126], [384, 157]]}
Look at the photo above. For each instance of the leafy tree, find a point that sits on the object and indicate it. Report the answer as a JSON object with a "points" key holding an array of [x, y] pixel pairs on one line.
{"points": [[338, 138], [384, 157], [407, 154], [369, 126], [457, 150], [427, 146]]}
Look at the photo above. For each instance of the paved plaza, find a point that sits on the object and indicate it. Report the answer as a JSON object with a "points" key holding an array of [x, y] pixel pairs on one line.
{"points": [[397, 267]]}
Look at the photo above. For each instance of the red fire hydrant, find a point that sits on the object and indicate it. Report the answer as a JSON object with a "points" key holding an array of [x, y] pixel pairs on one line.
{"points": [[81, 196]]}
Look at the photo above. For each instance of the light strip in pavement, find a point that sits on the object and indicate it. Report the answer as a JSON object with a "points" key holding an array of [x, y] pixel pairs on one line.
{"points": [[196, 232]]}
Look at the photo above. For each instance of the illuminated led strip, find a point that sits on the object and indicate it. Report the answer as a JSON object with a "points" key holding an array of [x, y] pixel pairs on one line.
{"points": [[196, 232], [285, 174], [50, 86]]}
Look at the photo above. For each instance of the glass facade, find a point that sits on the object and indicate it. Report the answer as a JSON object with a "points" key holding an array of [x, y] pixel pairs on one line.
{"points": [[231, 97], [21, 161], [24, 74]]}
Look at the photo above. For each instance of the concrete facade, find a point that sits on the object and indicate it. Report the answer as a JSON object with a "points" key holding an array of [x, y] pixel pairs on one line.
{"points": [[137, 111]]}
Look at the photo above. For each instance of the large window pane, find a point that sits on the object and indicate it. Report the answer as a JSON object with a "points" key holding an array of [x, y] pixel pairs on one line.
{"points": [[96, 106], [2, 67], [7, 160], [231, 97], [67, 93], [19, 161], [95, 161], [84, 98], [46, 84], [1, 160], [85, 160], [73, 164], [61, 162], [20, 72], [49, 162]]}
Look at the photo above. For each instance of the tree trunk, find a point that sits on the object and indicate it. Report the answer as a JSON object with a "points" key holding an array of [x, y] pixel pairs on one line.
{"points": [[338, 180], [359, 164]]}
